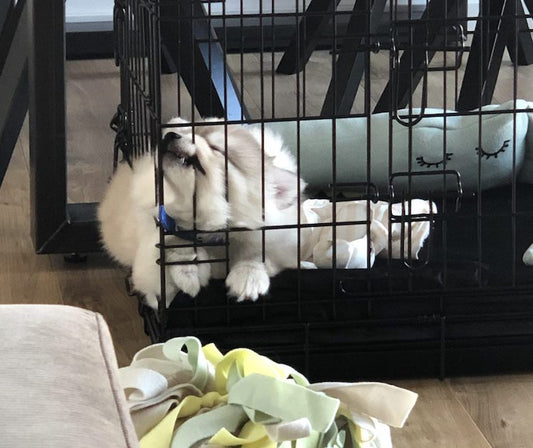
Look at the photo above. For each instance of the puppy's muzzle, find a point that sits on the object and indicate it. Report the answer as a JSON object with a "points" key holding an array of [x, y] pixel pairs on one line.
{"points": [[171, 146]]}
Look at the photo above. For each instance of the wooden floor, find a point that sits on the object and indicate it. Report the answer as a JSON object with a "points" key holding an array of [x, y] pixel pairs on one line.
{"points": [[459, 412]]}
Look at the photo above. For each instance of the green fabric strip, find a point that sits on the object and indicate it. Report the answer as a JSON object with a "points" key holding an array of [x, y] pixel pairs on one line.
{"points": [[200, 366], [267, 400]]}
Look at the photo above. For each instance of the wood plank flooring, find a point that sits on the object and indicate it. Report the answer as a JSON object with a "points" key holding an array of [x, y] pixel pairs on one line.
{"points": [[476, 412], [29, 278], [438, 419]]}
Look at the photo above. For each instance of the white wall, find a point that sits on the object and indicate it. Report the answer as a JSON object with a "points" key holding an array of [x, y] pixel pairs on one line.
{"points": [[80, 11], [102, 10], [88, 11]]}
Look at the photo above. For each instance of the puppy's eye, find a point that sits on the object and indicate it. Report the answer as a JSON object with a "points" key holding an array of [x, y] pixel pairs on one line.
{"points": [[420, 160], [218, 149], [195, 163], [482, 153], [187, 160]]}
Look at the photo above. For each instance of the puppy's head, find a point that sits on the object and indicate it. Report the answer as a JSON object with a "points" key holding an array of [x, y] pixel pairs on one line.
{"points": [[180, 154], [216, 175]]}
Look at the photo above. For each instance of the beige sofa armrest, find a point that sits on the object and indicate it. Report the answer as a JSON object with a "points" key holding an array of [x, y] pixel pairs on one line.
{"points": [[59, 380]]}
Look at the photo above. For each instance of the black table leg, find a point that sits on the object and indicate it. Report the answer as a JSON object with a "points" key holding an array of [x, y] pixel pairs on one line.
{"points": [[317, 15], [47, 120]]}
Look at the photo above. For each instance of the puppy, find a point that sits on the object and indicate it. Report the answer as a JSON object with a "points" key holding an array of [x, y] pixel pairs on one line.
{"points": [[215, 177]]}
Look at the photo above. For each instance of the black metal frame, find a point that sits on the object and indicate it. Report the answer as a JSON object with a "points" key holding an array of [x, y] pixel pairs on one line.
{"points": [[467, 308]]}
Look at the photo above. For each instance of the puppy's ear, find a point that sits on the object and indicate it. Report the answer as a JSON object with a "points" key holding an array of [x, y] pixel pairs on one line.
{"points": [[285, 186], [236, 137], [241, 148]]}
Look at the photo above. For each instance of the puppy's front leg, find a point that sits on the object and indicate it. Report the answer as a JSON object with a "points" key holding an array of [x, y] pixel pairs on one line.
{"points": [[248, 277], [188, 277], [146, 272]]}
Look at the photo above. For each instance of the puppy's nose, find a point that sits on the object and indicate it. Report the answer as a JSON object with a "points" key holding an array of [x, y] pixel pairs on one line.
{"points": [[171, 136], [168, 140]]}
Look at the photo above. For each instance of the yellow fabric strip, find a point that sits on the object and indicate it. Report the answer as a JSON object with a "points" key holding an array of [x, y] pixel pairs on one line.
{"points": [[246, 362], [212, 353], [160, 435], [251, 436]]}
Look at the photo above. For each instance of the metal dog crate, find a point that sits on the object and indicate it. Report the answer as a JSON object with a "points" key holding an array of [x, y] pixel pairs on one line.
{"points": [[466, 307]]}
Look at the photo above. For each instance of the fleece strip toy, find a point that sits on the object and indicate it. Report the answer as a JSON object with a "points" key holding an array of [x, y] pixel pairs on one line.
{"points": [[202, 398]]}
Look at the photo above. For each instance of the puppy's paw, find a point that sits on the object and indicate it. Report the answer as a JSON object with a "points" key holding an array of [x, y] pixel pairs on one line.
{"points": [[247, 281], [186, 278], [204, 269], [528, 256], [189, 277], [151, 301]]}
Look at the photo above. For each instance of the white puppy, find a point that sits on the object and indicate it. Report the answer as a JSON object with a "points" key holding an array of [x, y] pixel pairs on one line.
{"points": [[214, 177]]}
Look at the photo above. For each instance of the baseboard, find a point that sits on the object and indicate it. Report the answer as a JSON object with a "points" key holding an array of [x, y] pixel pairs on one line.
{"points": [[89, 45]]}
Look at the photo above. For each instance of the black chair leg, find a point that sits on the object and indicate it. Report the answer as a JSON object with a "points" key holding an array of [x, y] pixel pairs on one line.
{"points": [[488, 44], [524, 43], [304, 41], [13, 78], [193, 50], [428, 36], [351, 63], [10, 131]]}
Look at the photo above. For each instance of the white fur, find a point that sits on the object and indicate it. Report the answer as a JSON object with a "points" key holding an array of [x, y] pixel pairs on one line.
{"points": [[128, 210]]}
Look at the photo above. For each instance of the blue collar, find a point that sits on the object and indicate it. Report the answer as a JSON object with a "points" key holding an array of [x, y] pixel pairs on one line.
{"points": [[170, 225]]}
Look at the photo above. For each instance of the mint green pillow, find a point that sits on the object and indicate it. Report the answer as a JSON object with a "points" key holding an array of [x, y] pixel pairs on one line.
{"points": [[480, 166]]}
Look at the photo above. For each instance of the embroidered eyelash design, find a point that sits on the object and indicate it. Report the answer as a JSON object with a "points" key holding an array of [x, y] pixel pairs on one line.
{"points": [[420, 160], [482, 153]]}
